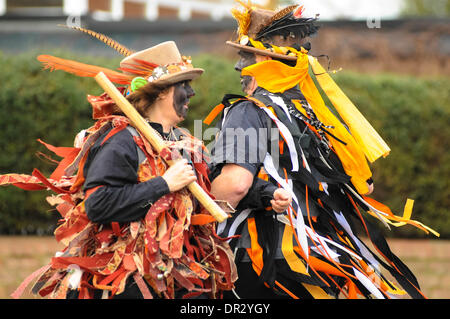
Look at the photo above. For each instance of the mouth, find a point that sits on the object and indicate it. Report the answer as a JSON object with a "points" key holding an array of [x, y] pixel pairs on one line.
{"points": [[184, 110]]}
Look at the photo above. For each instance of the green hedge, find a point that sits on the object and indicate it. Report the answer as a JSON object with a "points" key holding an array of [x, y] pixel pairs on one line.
{"points": [[411, 114], [413, 117], [35, 104]]}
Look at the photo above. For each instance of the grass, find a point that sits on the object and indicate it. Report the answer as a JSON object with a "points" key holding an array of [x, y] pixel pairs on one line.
{"points": [[428, 259], [19, 257]]}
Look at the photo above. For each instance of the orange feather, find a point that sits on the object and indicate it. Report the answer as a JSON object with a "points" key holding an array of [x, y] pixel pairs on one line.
{"points": [[82, 69]]}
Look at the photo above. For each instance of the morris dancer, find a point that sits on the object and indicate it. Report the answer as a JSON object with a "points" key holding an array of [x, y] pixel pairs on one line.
{"points": [[310, 249], [129, 226]]}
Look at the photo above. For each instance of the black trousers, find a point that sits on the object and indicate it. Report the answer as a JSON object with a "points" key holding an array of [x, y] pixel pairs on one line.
{"points": [[249, 285]]}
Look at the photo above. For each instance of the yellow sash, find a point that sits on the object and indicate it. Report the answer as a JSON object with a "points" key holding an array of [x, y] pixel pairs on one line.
{"points": [[278, 77]]}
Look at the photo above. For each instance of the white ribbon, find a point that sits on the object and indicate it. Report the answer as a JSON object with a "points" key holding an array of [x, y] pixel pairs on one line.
{"points": [[279, 101], [299, 222], [364, 251], [288, 138], [368, 284], [237, 221]]}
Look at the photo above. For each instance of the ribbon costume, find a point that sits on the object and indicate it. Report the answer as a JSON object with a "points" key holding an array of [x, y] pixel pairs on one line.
{"points": [[312, 250], [125, 234]]}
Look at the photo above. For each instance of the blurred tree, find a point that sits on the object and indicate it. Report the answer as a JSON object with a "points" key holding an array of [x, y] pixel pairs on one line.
{"points": [[426, 8]]}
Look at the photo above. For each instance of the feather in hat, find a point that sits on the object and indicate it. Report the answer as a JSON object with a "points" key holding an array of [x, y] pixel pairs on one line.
{"points": [[288, 21], [82, 69], [105, 39], [243, 17]]}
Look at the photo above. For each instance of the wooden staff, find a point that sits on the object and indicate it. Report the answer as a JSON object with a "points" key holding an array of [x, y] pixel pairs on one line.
{"points": [[157, 142]]}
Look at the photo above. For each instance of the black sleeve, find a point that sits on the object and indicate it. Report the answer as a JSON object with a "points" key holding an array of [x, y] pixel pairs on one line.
{"points": [[259, 195], [113, 166], [242, 139]]}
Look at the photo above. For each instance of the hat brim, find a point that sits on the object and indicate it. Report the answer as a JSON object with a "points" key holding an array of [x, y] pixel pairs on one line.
{"points": [[261, 52], [187, 75]]}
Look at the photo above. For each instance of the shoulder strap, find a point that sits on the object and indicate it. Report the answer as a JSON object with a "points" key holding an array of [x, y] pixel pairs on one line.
{"points": [[225, 104], [134, 132], [227, 97], [281, 115]]}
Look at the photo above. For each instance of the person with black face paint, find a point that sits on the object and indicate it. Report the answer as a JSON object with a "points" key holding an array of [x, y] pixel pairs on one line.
{"points": [[182, 93], [163, 102], [130, 226], [170, 106], [299, 181]]}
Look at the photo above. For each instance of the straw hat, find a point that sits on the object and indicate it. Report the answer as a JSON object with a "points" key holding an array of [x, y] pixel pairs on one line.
{"points": [[284, 29], [160, 64], [169, 65]]}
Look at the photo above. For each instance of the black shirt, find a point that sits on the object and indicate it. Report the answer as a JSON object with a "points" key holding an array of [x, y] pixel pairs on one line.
{"points": [[243, 140], [114, 166]]}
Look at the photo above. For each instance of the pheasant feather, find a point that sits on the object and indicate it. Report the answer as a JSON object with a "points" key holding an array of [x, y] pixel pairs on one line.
{"points": [[282, 13], [103, 38]]}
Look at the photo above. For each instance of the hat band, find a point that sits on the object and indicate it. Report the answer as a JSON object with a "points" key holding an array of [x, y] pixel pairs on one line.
{"points": [[170, 68], [160, 71], [288, 51]]}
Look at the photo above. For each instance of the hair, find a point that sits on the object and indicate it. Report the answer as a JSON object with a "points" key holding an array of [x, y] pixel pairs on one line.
{"points": [[145, 97]]}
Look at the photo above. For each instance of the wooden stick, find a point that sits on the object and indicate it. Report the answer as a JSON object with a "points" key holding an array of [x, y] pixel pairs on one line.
{"points": [[157, 142]]}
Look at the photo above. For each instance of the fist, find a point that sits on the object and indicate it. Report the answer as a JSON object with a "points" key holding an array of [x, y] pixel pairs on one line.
{"points": [[179, 175], [370, 187], [281, 200]]}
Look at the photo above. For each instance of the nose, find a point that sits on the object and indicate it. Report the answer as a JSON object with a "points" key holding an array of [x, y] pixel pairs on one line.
{"points": [[189, 91], [238, 65]]}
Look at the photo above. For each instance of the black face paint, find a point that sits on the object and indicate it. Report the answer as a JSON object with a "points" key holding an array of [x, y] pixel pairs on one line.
{"points": [[181, 95], [246, 60]]}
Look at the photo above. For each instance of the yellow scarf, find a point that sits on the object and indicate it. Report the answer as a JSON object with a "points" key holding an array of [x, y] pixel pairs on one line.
{"points": [[363, 141]]}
